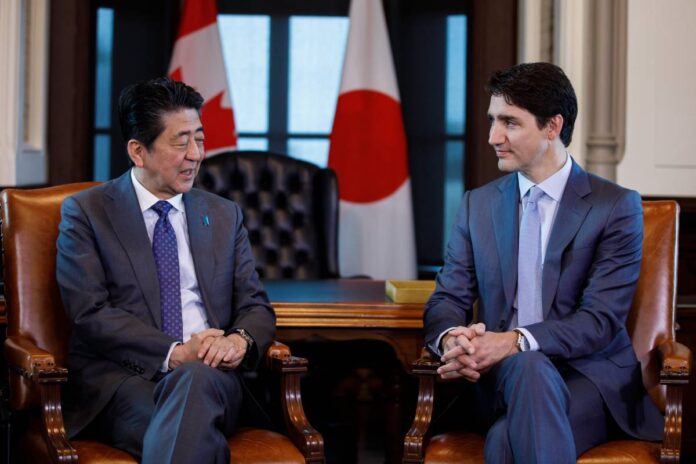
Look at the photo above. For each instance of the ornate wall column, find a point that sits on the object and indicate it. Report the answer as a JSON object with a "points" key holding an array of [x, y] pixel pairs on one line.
{"points": [[606, 109], [570, 52], [535, 25], [10, 22], [23, 90]]}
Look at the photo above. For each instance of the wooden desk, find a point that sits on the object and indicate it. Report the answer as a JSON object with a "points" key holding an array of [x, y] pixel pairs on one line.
{"points": [[346, 309], [354, 310]]}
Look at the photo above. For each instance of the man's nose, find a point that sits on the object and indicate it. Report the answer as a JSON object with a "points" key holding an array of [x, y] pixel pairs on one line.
{"points": [[195, 152], [496, 135]]}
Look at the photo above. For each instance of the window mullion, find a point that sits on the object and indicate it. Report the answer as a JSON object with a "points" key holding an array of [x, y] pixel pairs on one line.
{"points": [[278, 84]]}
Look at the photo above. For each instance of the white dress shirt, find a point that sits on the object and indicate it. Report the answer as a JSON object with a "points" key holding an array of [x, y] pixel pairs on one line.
{"points": [[192, 311], [553, 187]]}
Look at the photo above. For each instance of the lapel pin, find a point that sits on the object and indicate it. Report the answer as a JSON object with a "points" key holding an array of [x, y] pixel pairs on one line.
{"points": [[206, 221]]}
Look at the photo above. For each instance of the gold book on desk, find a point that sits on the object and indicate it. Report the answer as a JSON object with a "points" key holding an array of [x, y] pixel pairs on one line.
{"points": [[409, 291]]}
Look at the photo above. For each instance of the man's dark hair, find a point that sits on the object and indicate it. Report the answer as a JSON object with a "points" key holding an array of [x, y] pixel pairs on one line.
{"points": [[141, 106], [543, 89]]}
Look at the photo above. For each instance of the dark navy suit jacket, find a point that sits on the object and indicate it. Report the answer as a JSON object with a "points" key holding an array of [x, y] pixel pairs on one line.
{"points": [[108, 281], [589, 278]]}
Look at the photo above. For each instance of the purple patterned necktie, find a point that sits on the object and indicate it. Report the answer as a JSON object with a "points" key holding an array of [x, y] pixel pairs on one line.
{"points": [[167, 260], [529, 261]]}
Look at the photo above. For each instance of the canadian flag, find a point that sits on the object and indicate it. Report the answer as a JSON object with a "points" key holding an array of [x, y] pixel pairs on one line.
{"points": [[368, 152], [197, 60]]}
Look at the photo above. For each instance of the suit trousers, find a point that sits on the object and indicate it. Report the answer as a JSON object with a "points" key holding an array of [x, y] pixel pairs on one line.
{"points": [[184, 417], [541, 413]]}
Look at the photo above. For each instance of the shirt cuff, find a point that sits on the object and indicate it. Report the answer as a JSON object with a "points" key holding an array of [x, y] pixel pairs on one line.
{"points": [[165, 364], [533, 344]]}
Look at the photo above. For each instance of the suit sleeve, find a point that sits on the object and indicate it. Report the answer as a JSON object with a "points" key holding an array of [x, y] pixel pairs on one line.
{"points": [[610, 286], [111, 332], [253, 311], [457, 288]]}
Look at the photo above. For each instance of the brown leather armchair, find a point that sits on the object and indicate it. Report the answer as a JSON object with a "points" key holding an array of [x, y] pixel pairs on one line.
{"points": [[37, 346], [666, 364]]}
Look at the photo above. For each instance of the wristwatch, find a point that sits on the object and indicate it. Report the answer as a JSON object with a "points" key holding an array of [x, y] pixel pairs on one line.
{"points": [[245, 335], [521, 343]]}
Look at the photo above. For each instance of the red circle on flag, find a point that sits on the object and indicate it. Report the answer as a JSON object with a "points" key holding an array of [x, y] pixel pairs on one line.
{"points": [[368, 146]]}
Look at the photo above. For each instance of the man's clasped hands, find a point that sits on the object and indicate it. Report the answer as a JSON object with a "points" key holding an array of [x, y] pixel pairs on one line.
{"points": [[212, 347], [470, 351]]}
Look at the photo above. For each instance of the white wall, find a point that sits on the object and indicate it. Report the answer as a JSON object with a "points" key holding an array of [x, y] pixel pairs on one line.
{"points": [[660, 151], [660, 156]]}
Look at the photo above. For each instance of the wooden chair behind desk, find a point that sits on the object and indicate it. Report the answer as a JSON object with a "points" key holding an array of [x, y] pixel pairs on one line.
{"points": [[37, 346], [666, 364]]}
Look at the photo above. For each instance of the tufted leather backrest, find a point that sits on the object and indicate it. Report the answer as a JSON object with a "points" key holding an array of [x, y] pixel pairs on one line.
{"points": [[35, 310], [290, 210], [651, 319]]}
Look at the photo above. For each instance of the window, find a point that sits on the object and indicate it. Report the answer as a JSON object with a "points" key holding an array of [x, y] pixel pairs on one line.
{"points": [[455, 119], [102, 94], [297, 120]]}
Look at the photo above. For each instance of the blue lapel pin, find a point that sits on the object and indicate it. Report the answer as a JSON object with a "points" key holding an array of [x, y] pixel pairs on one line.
{"points": [[206, 221]]}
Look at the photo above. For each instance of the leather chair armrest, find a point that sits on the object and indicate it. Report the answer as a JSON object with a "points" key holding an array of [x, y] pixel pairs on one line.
{"points": [[676, 362], [418, 435], [30, 361], [301, 433]]}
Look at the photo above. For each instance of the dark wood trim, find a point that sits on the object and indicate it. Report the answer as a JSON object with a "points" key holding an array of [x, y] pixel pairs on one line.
{"points": [[493, 46], [686, 334], [71, 64]]}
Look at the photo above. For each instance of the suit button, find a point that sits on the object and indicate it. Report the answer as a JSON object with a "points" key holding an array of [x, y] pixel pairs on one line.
{"points": [[501, 325]]}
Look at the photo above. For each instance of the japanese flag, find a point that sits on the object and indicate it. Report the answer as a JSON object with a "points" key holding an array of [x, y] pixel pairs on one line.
{"points": [[369, 154]]}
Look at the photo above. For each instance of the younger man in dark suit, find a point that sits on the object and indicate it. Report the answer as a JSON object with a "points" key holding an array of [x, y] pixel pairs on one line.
{"points": [[552, 254], [159, 282]]}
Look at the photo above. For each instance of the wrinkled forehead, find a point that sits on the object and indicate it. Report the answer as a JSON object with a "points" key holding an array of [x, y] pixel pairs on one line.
{"points": [[182, 120]]}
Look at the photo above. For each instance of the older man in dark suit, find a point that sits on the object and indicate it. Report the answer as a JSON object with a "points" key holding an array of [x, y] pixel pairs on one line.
{"points": [[552, 254], [159, 282]]}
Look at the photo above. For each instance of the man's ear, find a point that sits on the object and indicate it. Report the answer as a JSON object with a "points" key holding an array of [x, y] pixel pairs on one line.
{"points": [[136, 152], [554, 127]]}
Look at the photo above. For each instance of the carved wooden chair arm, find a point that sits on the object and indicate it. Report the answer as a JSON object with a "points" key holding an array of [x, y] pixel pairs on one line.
{"points": [[676, 362], [30, 361], [676, 369], [290, 368], [39, 371], [418, 435]]}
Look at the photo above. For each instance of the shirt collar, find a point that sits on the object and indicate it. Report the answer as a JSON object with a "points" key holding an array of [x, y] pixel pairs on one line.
{"points": [[146, 199], [552, 186]]}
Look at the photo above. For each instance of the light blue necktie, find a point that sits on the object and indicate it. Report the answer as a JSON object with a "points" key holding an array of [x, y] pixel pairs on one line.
{"points": [[167, 260], [529, 309]]}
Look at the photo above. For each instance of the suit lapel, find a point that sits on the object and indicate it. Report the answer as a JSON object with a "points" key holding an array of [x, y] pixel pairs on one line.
{"points": [[505, 215], [200, 227], [571, 214], [126, 219]]}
